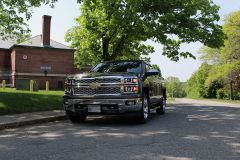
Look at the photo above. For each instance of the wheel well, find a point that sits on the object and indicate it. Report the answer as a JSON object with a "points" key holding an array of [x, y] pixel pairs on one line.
{"points": [[165, 93], [146, 91]]}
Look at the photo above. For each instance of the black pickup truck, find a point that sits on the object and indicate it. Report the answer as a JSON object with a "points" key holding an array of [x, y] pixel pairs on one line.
{"points": [[115, 88]]}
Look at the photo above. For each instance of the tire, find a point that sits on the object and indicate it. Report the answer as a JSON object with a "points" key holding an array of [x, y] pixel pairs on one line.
{"points": [[145, 111], [162, 108], [77, 118]]}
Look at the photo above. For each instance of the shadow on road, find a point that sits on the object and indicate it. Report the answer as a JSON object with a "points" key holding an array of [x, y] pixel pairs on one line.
{"points": [[186, 132], [122, 120]]}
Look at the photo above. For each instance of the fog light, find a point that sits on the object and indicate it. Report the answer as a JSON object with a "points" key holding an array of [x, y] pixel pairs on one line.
{"points": [[130, 103], [66, 101]]}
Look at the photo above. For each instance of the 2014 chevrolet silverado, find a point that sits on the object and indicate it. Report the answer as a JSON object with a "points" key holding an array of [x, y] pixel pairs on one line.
{"points": [[114, 88]]}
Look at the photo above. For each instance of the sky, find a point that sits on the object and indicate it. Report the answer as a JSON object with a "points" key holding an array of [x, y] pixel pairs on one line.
{"points": [[65, 11]]}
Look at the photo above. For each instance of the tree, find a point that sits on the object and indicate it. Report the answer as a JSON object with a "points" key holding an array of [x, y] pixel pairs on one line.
{"points": [[13, 14], [195, 87], [155, 66], [225, 72], [110, 30], [174, 87], [231, 49]]}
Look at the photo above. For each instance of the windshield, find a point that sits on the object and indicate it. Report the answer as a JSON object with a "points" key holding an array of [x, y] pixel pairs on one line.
{"points": [[129, 67]]}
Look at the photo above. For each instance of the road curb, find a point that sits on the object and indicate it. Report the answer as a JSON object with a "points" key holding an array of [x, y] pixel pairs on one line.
{"points": [[32, 121]]}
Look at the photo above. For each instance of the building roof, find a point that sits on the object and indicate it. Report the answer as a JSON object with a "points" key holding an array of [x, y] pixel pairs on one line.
{"points": [[37, 42], [6, 44], [32, 42]]}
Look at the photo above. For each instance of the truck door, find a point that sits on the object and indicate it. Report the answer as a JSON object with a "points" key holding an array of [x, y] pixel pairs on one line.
{"points": [[153, 86]]}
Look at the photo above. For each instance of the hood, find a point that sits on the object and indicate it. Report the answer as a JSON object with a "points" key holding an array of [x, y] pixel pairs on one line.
{"points": [[95, 75]]}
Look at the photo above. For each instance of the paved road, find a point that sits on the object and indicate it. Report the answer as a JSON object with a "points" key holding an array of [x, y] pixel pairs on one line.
{"points": [[190, 130]]}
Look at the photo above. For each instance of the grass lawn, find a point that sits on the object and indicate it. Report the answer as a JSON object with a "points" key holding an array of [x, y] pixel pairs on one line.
{"points": [[14, 101]]}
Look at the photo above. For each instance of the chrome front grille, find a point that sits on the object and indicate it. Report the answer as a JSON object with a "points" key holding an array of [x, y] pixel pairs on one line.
{"points": [[109, 90], [103, 86], [98, 91], [97, 80], [83, 91]]}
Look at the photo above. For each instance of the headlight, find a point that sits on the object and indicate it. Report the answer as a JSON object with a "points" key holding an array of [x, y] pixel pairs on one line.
{"points": [[130, 85], [131, 89], [130, 80]]}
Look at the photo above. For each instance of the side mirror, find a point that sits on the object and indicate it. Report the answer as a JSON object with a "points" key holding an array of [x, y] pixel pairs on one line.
{"points": [[152, 72]]}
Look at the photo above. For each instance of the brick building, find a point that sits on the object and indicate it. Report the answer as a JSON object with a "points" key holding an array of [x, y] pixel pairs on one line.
{"points": [[38, 58]]}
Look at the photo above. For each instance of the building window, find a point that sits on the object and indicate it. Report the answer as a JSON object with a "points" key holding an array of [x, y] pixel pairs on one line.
{"points": [[60, 84]]}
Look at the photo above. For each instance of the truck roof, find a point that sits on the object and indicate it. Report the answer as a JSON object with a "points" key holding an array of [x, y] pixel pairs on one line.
{"points": [[125, 61]]}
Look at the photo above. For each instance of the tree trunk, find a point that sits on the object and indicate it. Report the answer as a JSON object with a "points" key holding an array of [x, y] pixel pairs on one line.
{"points": [[118, 47], [231, 90], [105, 53]]}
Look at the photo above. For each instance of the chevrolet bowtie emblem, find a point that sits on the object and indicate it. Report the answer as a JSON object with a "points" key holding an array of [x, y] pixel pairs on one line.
{"points": [[94, 85]]}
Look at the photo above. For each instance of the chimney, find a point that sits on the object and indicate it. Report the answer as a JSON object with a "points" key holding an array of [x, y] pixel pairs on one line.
{"points": [[46, 30]]}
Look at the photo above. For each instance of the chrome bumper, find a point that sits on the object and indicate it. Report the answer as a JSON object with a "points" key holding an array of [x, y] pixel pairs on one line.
{"points": [[108, 106]]}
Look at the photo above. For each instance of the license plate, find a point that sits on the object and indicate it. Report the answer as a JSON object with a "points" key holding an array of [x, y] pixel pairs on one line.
{"points": [[94, 108]]}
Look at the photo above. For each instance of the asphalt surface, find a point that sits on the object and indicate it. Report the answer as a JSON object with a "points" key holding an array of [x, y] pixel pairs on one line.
{"points": [[189, 130], [23, 119]]}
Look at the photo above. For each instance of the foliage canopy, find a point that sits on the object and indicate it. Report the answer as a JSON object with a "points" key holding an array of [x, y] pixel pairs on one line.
{"points": [[195, 86], [224, 73], [155, 66], [174, 87], [13, 16], [110, 30]]}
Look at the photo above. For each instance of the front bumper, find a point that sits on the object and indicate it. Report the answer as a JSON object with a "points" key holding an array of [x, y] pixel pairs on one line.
{"points": [[107, 106]]}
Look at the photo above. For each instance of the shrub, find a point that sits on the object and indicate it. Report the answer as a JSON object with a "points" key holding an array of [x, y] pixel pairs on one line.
{"points": [[222, 94]]}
